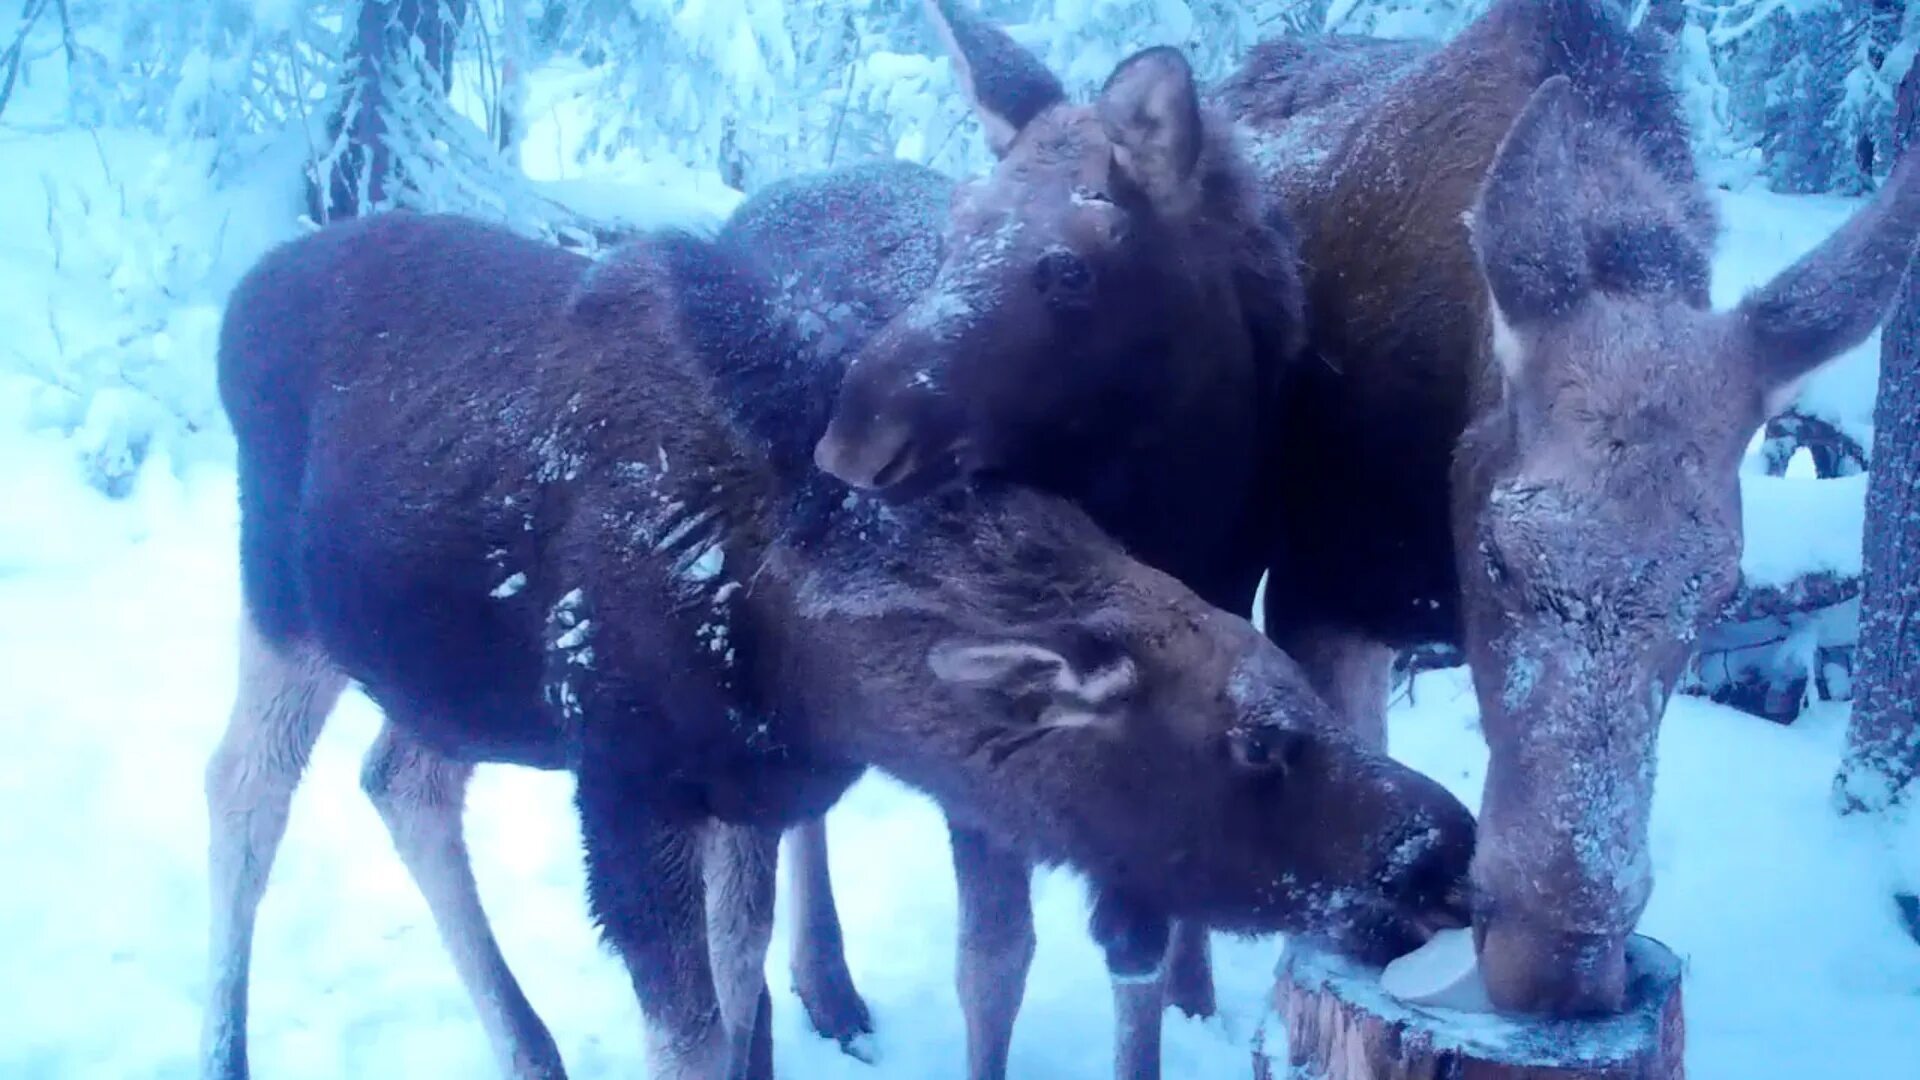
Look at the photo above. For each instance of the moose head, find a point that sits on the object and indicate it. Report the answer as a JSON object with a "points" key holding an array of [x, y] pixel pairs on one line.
{"points": [[1112, 268], [1598, 522]]}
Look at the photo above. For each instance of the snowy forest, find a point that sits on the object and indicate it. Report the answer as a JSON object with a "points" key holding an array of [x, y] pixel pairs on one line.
{"points": [[152, 150], [549, 116]]}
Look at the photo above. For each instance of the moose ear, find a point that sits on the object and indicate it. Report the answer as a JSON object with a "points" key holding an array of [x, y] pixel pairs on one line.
{"points": [[1008, 85], [1022, 667], [1151, 111], [1010, 666], [1831, 299], [1531, 247]]}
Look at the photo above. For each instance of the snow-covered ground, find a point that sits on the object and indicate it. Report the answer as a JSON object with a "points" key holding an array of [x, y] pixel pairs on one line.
{"points": [[116, 667]]}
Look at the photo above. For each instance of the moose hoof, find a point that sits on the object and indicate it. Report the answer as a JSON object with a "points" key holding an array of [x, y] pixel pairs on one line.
{"points": [[1189, 968], [837, 1012], [1190, 989], [1342, 1023]]}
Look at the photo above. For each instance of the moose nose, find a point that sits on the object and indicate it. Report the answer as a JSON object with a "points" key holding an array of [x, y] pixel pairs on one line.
{"points": [[866, 458]]}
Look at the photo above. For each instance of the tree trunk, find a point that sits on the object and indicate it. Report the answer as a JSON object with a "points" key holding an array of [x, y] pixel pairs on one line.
{"points": [[1883, 743], [510, 112], [359, 175], [1341, 1026]]}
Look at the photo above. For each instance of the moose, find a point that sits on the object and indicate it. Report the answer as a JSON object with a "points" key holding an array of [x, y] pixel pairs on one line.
{"points": [[1107, 323], [539, 508], [847, 250], [1517, 427]]}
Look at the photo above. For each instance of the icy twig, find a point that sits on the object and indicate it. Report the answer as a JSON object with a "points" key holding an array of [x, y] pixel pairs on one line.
{"points": [[12, 58]]}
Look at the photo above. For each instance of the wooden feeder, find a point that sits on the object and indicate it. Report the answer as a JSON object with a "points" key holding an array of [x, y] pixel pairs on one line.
{"points": [[1340, 1025]]}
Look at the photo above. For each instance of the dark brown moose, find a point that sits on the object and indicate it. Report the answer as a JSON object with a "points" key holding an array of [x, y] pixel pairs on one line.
{"points": [[1107, 322], [1518, 427], [533, 506], [846, 250]]}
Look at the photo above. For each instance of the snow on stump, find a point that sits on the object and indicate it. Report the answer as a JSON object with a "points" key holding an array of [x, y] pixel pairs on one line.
{"points": [[1342, 1025]]}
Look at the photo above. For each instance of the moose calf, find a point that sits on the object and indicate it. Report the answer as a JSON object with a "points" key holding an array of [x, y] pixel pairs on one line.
{"points": [[506, 491]]}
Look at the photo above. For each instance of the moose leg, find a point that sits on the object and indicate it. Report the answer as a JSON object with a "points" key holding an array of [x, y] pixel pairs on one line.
{"points": [[1351, 673], [421, 796], [1189, 969], [819, 959], [646, 888], [1136, 941], [739, 871], [284, 697], [996, 945]]}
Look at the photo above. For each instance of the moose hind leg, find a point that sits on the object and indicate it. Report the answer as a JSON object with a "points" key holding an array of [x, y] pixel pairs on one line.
{"points": [[996, 946], [421, 796], [741, 864], [820, 975], [285, 694], [647, 891]]}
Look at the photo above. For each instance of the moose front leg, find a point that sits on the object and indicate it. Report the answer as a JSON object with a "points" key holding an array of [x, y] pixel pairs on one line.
{"points": [[1189, 969], [996, 945], [646, 888], [1136, 942], [820, 974]]}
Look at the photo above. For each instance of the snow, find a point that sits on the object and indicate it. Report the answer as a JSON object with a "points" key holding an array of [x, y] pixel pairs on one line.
{"points": [[642, 200], [1798, 526]]}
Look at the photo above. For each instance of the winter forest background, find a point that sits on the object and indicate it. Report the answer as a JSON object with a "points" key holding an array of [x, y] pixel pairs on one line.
{"points": [[158, 146], [151, 150]]}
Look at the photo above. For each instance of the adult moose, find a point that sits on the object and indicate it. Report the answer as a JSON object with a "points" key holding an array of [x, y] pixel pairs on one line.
{"points": [[1522, 430], [1106, 324], [538, 510]]}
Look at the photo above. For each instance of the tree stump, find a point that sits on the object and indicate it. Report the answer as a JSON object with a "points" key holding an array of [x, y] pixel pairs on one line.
{"points": [[1341, 1025]]}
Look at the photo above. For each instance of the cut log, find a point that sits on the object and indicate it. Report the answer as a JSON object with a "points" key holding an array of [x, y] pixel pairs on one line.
{"points": [[1340, 1025]]}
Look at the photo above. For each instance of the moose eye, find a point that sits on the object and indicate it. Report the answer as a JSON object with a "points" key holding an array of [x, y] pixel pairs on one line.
{"points": [[1062, 273], [1268, 749]]}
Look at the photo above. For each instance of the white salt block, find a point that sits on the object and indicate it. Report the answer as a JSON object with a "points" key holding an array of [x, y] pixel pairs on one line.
{"points": [[1444, 973]]}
